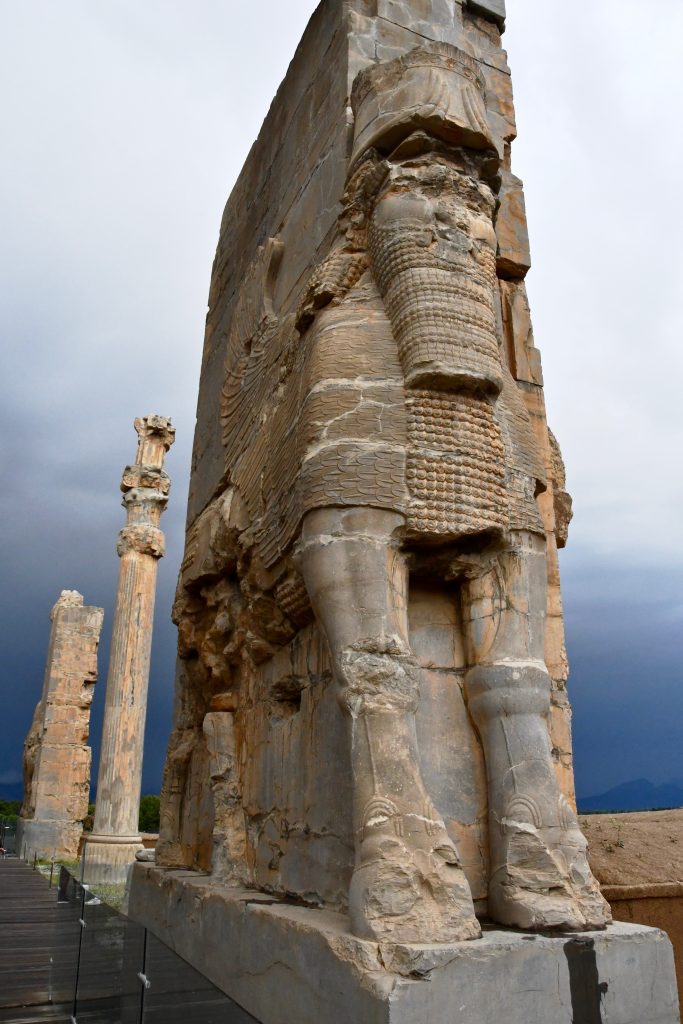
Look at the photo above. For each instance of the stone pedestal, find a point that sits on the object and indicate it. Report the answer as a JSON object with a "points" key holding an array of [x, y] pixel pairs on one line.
{"points": [[56, 755], [286, 963], [115, 838]]}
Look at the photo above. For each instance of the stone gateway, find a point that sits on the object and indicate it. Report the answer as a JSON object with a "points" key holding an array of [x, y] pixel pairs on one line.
{"points": [[371, 718]]}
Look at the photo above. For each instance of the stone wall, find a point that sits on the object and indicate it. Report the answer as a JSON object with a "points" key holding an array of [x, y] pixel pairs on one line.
{"points": [[638, 859]]}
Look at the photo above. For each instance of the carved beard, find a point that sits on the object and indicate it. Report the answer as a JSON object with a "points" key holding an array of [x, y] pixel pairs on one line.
{"points": [[437, 282]]}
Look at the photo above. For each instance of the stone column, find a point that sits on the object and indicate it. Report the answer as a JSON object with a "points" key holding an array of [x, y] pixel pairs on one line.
{"points": [[115, 838], [56, 755]]}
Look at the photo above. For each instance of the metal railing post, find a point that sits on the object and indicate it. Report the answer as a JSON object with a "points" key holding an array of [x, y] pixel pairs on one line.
{"points": [[145, 983], [81, 922]]}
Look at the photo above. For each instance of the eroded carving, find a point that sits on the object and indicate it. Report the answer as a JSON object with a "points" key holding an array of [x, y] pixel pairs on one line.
{"points": [[56, 752], [376, 437]]}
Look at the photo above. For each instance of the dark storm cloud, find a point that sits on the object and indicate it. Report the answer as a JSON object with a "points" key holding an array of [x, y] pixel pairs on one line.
{"points": [[624, 628], [128, 126]]}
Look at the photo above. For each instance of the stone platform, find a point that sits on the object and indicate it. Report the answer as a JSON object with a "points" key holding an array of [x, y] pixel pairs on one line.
{"points": [[47, 838], [284, 963]]}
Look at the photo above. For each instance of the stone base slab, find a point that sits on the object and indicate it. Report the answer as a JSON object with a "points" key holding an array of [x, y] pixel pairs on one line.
{"points": [[285, 963], [108, 862], [47, 838]]}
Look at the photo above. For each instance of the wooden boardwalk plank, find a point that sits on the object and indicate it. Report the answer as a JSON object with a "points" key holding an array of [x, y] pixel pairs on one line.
{"points": [[41, 938], [28, 926]]}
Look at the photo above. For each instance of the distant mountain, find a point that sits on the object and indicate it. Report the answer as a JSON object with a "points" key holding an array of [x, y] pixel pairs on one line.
{"points": [[637, 795]]}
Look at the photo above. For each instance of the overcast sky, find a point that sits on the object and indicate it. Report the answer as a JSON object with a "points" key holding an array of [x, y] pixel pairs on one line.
{"points": [[124, 126]]}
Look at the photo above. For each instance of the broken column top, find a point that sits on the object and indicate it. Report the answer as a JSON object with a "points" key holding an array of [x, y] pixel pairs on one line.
{"points": [[146, 478], [156, 434], [67, 599]]}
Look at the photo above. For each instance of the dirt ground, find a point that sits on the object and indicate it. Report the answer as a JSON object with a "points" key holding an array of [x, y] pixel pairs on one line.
{"points": [[638, 859], [639, 848]]}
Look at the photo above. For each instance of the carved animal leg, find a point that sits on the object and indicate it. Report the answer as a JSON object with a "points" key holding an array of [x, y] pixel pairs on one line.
{"points": [[408, 884], [540, 876]]}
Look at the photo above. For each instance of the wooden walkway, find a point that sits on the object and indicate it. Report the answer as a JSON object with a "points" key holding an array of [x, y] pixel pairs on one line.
{"points": [[40, 941], [34, 951]]}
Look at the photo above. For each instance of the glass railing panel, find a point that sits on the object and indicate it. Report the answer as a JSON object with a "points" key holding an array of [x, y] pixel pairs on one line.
{"points": [[177, 994], [112, 949], [8, 838], [133, 962], [107, 969], [66, 939]]}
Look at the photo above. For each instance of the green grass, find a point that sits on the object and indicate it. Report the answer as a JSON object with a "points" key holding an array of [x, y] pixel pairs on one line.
{"points": [[110, 893]]}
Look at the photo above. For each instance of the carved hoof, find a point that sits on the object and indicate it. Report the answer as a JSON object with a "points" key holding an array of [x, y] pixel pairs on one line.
{"points": [[546, 883], [411, 895]]}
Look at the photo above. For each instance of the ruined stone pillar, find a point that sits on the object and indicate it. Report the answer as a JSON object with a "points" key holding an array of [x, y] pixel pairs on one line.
{"points": [[116, 838], [56, 755]]}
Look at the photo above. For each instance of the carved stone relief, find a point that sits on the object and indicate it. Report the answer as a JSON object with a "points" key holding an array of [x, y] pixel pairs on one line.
{"points": [[367, 680]]}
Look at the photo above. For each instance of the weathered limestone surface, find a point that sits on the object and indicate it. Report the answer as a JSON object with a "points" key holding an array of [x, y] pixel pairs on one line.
{"points": [[287, 963], [371, 715], [115, 839], [494, 9], [56, 752], [382, 450]]}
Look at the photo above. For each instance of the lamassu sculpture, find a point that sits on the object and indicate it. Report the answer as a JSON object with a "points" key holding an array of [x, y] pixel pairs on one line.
{"points": [[376, 544]]}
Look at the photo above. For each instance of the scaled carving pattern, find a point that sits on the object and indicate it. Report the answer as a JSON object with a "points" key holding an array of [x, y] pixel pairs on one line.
{"points": [[455, 468], [371, 713]]}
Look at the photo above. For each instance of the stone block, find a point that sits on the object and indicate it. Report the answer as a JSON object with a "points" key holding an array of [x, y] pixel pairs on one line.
{"points": [[493, 9], [483, 37], [47, 838], [425, 17], [514, 257], [524, 359], [500, 108], [285, 963]]}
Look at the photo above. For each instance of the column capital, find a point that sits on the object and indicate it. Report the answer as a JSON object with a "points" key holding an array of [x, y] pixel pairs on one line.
{"points": [[156, 434], [143, 538], [147, 478]]}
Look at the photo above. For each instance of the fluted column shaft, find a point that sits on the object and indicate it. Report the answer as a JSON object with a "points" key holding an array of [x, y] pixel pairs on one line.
{"points": [[140, 546]]}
